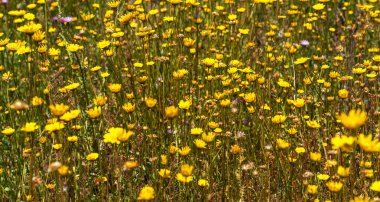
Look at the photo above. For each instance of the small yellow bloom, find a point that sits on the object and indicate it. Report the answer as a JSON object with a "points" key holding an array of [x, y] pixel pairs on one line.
{"points": [[30, 127], [59, 109], [202, 182], [278, 119], [114, 87], [282, 144], [313, 124], [171, 111], [146, 193], [184, 150], [150, 102], [318, 6], [92, 156], [343, 172], [8, 131], [315, 156], [312, 189], [343, 93], [334, 186], [63, 170], [129, 107], [94, 112], [165, 173], [200, 143]]}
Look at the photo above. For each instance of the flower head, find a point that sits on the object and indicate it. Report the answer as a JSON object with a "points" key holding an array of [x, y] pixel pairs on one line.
{"points": [[354, 119]]}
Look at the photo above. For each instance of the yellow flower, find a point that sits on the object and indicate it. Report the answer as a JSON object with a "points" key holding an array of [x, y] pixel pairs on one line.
{"points": [[184, 150], [367, 144], [184, 179], [343, 93], [345, 143], [103, 44], [315, 156], [165, 173], [313, 124], [200, 143], [54, 127], [278, 119], [30, 28], [150, 102], [164, 159], [72, 114], [208, 137], [235, 149], [375, 186], [130, 164], [343, 172], [334, 186], [113, 4], [196, 131], [38, 36], [362, 199], [114, 87], [37, 101], [318, 6], [202, 182], [312, 189], [146, 193], [171, 111], [323, 177], [174, 2], [57, 146], [283, 83], [72, 138], [129, 107], [250, 97], [243, 31], [117, 135], [8, 131], [73, 48], [50, 186], [354, 119], [92, 156], [282, 144], [186, 169], [188, 42], [30, 127], [59, 109], [209, 62], [184, 104], [299, 102], [63, 170], [100, 100], [94, 112], [301, 60]]}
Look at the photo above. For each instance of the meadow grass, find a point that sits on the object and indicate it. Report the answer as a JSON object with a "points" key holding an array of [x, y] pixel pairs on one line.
{"points": [[189, 100]]}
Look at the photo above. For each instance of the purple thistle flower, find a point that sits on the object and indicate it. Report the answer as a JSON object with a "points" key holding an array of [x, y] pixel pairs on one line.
{"points": [[4, 1], [304, 43]]}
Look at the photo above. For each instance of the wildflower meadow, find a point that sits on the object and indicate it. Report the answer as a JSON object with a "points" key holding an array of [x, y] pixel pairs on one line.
{"points": [[190, 100]]}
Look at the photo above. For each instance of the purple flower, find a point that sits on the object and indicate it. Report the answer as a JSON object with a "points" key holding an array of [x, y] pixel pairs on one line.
{"points": [[304, 43], [4, 1], [66, 19]]}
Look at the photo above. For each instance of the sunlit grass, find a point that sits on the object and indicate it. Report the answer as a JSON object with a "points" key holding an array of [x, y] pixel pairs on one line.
{"points": [[189, 100]]}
